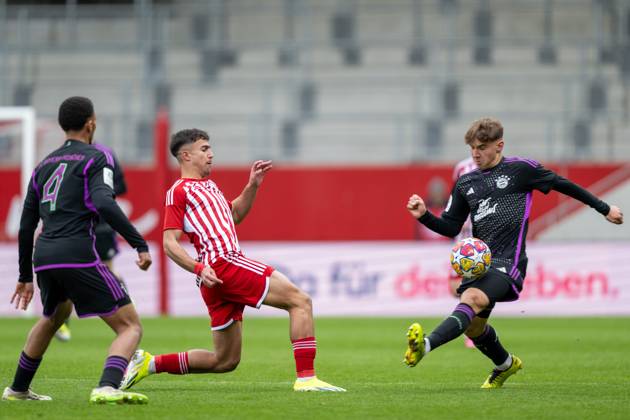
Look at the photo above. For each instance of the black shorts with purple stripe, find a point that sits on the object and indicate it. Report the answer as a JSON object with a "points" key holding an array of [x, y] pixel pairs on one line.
{"points": [[497, 285], [94, 291]]}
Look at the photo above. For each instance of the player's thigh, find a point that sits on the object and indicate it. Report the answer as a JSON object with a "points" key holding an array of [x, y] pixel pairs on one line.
{"points": [[94, 291], [283, 293], [228, 342]]}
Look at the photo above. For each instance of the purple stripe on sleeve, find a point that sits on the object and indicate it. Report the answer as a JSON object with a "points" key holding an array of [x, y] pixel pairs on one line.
{"points": [[528, 207], [530, 162], [54, 266], [86, 188], [462, 307], [35, 186], [107, 152], [103, 314]]}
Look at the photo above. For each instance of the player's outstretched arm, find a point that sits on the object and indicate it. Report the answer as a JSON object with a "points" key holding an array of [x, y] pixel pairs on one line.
{"points": [[612, 213], [243, 203], [178, 254]]}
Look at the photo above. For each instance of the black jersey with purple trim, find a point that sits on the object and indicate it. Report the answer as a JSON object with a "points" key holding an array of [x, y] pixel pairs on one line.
{"points": [[499, 201], [68, 190]]}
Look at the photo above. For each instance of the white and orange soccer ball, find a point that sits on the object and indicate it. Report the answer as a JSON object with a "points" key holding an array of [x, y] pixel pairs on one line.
{"points": [[471, 258]]}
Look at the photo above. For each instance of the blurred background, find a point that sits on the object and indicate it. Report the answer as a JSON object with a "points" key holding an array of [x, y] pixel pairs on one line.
{"points": [[359, 103]]}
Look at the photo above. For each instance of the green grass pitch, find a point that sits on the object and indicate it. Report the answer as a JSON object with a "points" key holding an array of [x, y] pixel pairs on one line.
{"points": [[574, 368]]}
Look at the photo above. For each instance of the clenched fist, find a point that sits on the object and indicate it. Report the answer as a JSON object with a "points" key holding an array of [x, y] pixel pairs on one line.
{"points": [[416, 206]]}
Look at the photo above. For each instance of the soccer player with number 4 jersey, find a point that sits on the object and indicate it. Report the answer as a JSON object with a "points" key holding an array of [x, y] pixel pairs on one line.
{"points": [[227, 279], [70, 190], [498, 198]]}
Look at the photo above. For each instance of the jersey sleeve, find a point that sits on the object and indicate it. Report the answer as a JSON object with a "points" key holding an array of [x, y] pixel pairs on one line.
{"points": [[453, 217], [174, 209], [100, 178], [537, 177], [28, 225], [120, 186]]}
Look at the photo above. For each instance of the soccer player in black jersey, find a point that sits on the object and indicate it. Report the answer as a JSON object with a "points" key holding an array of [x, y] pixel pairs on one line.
{"points": [[498, 197], [106, 244], [69, 190]]}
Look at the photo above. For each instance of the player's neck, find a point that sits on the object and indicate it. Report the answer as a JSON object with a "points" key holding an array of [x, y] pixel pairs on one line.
{"points": [[78, 136], [495, 162], [191, 174]]}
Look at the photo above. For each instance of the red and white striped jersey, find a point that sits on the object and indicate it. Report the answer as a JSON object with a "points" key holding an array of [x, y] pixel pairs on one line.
{"points": [[198, 207], [463, 167]]}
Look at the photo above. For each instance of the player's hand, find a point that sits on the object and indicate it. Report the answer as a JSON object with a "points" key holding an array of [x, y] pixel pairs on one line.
{"points": [[615, 215], [144, 261], [22, 295], [209, 277], [258, 171], [416, 206]]}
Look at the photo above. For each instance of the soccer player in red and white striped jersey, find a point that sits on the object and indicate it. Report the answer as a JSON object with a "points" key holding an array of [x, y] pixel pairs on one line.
{"points": [[227, 280]]}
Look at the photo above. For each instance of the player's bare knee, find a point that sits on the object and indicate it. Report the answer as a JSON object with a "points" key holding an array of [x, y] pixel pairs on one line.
{"points": [[228, 365], [477, 300], [306, 302]]}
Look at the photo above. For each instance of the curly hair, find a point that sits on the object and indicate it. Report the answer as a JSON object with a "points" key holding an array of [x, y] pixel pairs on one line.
{"points": [[74, 112]]}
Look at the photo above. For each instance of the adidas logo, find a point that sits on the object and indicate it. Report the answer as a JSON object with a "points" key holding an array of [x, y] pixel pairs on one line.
{"points": [[470, 191]]}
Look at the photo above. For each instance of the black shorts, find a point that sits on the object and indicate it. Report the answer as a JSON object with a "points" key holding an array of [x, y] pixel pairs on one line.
{"points": [[106, 245], [497, 285], [95, 291]]}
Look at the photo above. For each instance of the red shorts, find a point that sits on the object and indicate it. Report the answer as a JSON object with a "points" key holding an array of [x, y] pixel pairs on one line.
{"points": [[245, 282]]}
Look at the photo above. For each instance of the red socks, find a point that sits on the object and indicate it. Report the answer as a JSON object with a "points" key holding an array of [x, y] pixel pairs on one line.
{"points": [[175, 363], [304, 350]]}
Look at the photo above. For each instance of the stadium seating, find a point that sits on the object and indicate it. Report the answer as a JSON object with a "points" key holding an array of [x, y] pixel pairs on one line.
{"points": [[381, 102]]}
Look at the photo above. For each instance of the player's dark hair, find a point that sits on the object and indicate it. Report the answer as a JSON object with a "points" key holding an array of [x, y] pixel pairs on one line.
{"points": [[485, 130], [187, 136], [74, 112]]}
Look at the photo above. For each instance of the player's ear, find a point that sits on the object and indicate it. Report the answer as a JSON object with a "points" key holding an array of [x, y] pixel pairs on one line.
{"points": [[500, 145]]}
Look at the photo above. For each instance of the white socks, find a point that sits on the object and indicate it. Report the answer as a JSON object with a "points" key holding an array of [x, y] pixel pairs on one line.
{"points": [[506, 365], [427, 345]]}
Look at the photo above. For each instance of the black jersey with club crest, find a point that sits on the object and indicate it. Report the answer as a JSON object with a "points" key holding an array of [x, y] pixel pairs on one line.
{"points": [[499, 201]]}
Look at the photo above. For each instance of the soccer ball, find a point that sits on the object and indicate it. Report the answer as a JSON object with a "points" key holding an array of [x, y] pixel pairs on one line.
{"points": [[471, 258]]}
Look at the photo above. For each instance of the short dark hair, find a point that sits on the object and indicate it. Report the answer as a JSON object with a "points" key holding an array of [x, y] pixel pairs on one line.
{"points": [[74, 112], [485, 130], [187, 136]]}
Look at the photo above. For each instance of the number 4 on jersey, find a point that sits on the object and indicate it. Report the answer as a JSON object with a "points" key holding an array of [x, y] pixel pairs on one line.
{"points": [[52, 186]]}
